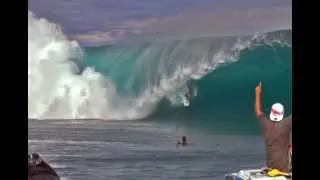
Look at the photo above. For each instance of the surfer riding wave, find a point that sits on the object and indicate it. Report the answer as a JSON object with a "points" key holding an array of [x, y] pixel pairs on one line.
{"points": [[189, 94]]}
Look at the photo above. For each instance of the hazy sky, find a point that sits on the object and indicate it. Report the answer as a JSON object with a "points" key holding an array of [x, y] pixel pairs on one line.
{"points": [[109, 20]]}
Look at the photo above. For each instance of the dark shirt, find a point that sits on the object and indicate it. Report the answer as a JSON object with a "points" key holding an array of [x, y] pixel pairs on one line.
{"points": [[277, 139]]}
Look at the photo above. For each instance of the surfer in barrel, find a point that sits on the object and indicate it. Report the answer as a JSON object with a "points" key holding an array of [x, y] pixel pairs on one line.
{"points": [[276, 130], [189, 94]]}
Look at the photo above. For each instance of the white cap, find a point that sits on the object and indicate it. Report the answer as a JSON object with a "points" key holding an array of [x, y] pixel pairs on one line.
{"points": [[277, 112]]}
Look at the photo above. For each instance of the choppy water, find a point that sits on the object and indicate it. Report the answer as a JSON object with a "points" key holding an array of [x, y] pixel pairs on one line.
{"points": [[96, 150]]}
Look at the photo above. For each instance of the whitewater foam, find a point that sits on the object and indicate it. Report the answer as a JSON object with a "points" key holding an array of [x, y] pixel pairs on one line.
{"points": [[55, 87]]}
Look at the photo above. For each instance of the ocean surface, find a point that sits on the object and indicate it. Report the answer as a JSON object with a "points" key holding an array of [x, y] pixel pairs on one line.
{"points": [[98, 150], [134, 90]]}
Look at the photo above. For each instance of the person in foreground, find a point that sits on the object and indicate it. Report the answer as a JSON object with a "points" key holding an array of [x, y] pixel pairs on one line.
{"points": [[276, 131], [38, 169]]}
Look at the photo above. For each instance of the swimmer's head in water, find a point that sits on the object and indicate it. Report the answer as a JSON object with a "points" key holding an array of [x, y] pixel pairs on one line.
{"points": [[277, 112]]}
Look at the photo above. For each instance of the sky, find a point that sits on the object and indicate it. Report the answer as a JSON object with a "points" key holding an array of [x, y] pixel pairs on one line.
{"points": [[110, 20]]}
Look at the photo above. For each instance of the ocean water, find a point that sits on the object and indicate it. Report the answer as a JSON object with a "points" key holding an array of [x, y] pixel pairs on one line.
{"points": [[98, 150], [116, 111]]}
